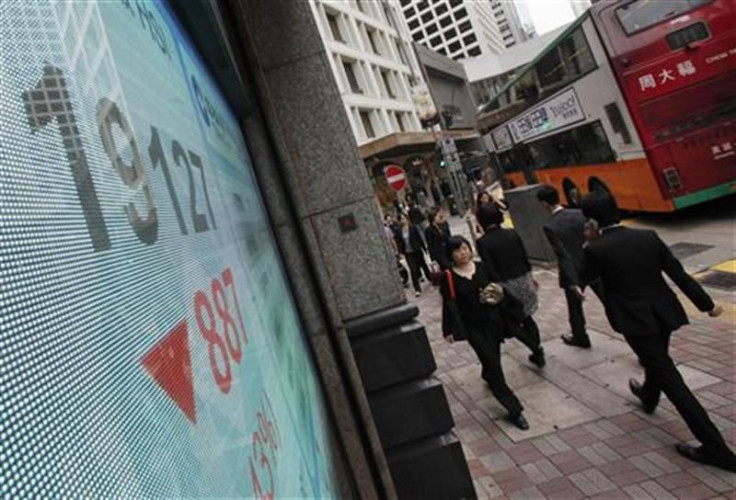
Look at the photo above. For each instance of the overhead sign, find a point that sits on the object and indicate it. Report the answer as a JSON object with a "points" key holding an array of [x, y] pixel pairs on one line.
{"points": [[396, 177], [151, 346], [502, 138], [560, 111]]}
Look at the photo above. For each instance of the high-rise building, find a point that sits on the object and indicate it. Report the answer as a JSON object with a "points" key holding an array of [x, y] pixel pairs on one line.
{"points": [[579, 7], [454, 28], [369, 49], [509, 23]]}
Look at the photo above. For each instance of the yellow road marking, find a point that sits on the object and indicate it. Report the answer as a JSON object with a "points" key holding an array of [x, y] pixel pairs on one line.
{"points": [[727, 267]]}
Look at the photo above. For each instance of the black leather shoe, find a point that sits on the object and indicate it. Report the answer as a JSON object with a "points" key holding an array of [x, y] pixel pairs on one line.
{"points": [[570, 340], [538, 358], [636, 389], [519, 421], [725, 461]]}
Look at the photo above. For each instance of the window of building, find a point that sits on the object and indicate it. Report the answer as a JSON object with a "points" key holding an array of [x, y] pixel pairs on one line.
{"points": [[387, 84], [461, 13], [389, 15], [423, 5], [432, 28], [441, 9], [454, 47], [474, 51], [402, 54], [470, 39], [414, 24], [418, 37], [451, 33], [350, 73], [446, 21], [434, 42], [373, 42], [464, 26], [410, 12], [427, 17], [455, 3], [400, 122], [335, 28], [365, 118]]}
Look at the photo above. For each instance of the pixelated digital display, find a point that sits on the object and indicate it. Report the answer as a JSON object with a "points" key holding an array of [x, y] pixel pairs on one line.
{"points": [[149, 343]]}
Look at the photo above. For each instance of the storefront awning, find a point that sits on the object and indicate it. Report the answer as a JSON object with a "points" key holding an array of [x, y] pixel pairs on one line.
{"points": [[406, 143]]}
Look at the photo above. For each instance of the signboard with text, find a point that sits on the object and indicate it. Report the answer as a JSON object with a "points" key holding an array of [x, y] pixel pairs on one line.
{"points": [[560, 111], [502, 138], [150, 343]]}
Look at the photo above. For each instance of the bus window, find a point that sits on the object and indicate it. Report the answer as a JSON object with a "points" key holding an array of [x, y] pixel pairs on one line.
{"points": [[576, 54], [617, 122], [637, 16], [550, 69], [584, 145]]}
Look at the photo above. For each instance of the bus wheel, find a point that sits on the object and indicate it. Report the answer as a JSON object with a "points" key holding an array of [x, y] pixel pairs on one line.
{"points": [[595, 184], [572, 193]]}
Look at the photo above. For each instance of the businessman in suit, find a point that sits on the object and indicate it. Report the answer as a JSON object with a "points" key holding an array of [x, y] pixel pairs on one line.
{"points": [[564, 231], [640, 305]]}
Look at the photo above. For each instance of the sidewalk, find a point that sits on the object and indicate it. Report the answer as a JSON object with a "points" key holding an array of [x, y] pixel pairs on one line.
{"points": [[588, 438]]}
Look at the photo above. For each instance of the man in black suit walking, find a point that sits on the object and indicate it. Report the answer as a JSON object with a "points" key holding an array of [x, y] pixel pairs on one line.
{"points": [[564, 231], [640, 305]]}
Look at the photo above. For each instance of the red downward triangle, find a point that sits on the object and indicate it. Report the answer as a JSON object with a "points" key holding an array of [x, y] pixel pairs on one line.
{"points": [[169, 363]]}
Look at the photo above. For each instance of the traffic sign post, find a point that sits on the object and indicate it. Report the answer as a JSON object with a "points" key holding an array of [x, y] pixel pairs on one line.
{"points": [[396, 177]]}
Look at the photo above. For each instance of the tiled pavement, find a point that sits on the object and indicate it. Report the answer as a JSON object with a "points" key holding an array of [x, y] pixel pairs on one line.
{"points": [[588, 438]]}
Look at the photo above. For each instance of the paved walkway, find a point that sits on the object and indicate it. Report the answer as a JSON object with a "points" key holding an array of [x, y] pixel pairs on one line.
{"points": [[588, 438]]}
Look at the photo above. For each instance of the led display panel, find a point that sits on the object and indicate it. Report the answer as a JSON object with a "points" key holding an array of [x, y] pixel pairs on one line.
{"points": [[149, 342]]}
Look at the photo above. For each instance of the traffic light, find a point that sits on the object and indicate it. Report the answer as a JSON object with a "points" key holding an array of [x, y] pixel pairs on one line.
{"points": [[440, 157]]}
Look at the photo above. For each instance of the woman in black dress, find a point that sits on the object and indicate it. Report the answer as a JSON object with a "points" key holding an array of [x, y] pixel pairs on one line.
{"points": [[465, 317]]}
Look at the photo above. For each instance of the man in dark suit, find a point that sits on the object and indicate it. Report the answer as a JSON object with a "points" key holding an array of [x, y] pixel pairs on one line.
{"points": [[564, 231], [640, 305]]}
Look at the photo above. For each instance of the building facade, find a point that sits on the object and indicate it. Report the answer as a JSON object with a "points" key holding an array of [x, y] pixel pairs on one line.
{"points": [[579, 7], [369, 50], [455, 28], [509, 23]]}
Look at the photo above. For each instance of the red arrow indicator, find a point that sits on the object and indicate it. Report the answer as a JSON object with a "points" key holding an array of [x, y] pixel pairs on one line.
{"points": [[169, 363]]}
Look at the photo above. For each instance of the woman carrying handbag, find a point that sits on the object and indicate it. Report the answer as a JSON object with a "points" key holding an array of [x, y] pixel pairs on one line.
{"points": [[477, 310]]}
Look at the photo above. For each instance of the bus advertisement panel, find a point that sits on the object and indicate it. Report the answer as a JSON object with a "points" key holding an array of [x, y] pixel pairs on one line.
{"points": [[150, 343]]}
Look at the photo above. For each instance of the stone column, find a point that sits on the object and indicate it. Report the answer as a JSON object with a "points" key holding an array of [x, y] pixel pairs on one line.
{"points": [[392, 416]]}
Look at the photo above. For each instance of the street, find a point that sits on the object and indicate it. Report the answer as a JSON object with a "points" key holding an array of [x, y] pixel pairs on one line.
{"points": [[588, 436]]}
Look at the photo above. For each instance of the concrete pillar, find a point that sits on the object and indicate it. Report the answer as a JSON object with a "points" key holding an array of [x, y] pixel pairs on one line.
{"points": [[374, 359]]}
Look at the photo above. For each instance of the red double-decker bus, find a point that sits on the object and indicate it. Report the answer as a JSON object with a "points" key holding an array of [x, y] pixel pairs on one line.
{"points": [[637, 97], [675, 61]]}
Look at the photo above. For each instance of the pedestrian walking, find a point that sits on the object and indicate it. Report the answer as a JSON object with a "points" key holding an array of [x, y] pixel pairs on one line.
{"points": [[640, 305], [565, 232], [411, 245], [436, 236], [469, 315], [504, 255], [416, 216]]}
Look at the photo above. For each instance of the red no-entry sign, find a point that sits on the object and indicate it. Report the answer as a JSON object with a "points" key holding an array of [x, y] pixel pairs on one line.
{"points": [[396, 177]]}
